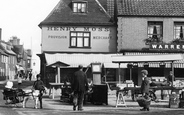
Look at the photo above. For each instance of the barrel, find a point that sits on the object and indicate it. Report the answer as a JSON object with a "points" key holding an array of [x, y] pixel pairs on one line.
{"points": [[174, 100]]}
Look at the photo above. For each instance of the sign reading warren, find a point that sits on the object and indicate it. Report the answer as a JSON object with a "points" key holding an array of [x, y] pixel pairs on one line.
{"points": [[167, 46]]}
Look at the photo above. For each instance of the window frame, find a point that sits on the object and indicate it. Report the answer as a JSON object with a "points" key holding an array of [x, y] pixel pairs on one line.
{"points": [[179, 24], [78, 37], [155, 23], [81, 10]]}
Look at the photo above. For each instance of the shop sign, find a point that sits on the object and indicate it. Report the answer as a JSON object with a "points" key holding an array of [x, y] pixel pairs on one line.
{"points": [[155, 46], [61, 28]]}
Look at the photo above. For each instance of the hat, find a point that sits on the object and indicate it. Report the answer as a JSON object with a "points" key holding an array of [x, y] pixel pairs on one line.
{"points": [[145, 72], [9, 84], [38, 75], [80, 67]]}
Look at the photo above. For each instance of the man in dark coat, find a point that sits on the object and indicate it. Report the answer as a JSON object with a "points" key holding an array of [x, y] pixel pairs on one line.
{"points": [[79, 86], [145, 87]]}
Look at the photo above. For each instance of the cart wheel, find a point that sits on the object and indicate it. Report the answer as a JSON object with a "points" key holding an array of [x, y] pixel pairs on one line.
{"points": [[152, 95]]}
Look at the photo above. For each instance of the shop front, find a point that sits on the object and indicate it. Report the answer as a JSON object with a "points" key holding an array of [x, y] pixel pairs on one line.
{"points": [[108, 72]]}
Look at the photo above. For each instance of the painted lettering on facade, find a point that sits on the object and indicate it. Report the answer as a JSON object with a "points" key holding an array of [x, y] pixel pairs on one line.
{"points": [[57, 37], [167, 46], [102, 37], [58, 28]]}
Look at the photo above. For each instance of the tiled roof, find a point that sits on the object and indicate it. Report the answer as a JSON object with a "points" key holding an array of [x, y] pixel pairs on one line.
{"points": [[150, 7], [6, 48], [2, 52], [62, 14]]}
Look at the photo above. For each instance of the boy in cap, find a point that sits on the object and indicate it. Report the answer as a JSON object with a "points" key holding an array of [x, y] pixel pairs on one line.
{"points": [[145, 87], [39, 86]]}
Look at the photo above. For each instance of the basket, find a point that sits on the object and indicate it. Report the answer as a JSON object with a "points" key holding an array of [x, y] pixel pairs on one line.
{"points": [[143, 102]]}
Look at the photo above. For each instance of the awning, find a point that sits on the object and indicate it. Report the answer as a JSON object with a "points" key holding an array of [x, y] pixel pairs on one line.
{"points": [[153, 60], [85, 59], [19, 68], [115, 65], [177, 64], [147, 58]]}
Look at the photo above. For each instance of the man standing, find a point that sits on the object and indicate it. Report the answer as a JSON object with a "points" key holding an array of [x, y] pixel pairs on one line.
{"points": [[171, 78], [79, 86]]}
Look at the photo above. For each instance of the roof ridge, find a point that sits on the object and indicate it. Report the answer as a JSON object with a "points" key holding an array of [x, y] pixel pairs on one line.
{"points": [[103, 8], [56, 7]]}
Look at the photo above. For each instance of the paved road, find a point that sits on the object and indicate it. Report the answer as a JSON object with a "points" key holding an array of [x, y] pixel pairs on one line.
{"points": [[56, 107]]}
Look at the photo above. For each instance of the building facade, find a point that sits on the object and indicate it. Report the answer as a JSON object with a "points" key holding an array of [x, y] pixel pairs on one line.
{"points": [[88, 31], [13, 58], [151, 27], [77, 32]]}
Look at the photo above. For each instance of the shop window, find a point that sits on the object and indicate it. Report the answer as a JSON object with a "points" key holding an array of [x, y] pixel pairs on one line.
{"points": [[156, 72], [79, 7], [80, 39], [155, 32], [178, 30]]}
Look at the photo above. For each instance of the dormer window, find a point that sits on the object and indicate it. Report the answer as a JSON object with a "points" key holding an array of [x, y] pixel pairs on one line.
{"points": [[79, 7]]}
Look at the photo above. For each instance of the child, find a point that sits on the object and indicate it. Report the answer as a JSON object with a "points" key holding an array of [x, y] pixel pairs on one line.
{"points": [[38, 86]]}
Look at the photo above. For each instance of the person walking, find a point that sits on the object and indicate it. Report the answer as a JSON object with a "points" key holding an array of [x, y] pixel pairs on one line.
{"points": [[145, 88], [19, 80], [79, 85], [39, 86], [30, 76]]}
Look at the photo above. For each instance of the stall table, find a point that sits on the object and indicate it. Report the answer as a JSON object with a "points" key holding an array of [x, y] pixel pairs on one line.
{"points": [[136, 90], [54, 85]]}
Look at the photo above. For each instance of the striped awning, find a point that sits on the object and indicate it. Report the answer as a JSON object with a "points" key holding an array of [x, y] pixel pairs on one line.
{"points": [[85, 59], [177, 64]]}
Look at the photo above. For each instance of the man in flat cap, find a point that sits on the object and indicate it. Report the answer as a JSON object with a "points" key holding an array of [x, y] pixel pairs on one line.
{"points": [[145, 87], [79, 86]]}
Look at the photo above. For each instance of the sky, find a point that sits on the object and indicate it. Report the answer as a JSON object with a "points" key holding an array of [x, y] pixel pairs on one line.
{"points": [[21, 18]]}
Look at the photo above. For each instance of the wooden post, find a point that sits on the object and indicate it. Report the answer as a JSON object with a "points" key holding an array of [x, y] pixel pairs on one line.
{"points": [[172, 67], [59, 75], [119, 73], [130, 73]]}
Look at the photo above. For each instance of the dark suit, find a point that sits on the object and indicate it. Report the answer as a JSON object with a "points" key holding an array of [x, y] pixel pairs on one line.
{"points": [[79, 85], [145, 86]]}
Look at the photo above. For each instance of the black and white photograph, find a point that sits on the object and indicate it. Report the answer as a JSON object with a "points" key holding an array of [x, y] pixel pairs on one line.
{"points": [[91, 57]]}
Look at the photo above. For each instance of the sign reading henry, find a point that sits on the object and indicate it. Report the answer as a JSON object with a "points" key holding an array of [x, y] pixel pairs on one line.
{"points": [[167, 46]]}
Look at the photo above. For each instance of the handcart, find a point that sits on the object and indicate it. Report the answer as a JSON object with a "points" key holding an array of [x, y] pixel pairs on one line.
{"points": [[13, 96]]}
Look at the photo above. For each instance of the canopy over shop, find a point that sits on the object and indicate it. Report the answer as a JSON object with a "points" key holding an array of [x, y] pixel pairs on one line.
{"points": [[58, 65], [74, 59], [146, 59]]}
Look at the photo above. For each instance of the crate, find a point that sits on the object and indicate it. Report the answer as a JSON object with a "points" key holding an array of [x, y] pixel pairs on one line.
{"points": [[181, 103], [174, 100]]}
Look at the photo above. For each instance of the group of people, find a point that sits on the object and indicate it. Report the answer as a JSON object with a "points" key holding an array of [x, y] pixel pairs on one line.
{"points": [[79, 85], [38, 89]]}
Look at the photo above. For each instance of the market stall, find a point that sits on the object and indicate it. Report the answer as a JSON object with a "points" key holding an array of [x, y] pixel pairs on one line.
{"points": [[169, 58]]}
